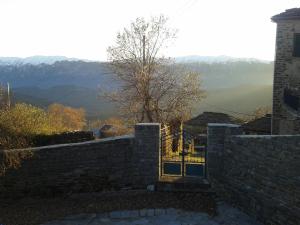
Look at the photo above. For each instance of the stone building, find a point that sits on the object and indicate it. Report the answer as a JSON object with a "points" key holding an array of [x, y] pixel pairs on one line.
{"points": [[205, 118], [286, 91], [258, 126]]}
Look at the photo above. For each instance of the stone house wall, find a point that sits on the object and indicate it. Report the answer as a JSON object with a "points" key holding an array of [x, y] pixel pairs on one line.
{"points": [[261, 174], [286, 75]]}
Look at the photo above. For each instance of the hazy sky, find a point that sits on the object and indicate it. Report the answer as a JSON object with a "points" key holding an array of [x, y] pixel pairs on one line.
{"points": [[85, 28]]}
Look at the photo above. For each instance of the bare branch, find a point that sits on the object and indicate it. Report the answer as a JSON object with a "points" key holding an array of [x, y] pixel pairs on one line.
{"points": [[154, 88]]}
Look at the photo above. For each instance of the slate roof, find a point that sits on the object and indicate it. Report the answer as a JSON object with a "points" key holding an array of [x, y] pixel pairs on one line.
{"points": [[259, 126], [106, 130], [289, 14], [106, 127], [210, 117]]}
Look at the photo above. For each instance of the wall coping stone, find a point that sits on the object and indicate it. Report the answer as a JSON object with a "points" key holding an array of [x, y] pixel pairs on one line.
{"points": [[266, 136], [123, 137], [222, 125]]}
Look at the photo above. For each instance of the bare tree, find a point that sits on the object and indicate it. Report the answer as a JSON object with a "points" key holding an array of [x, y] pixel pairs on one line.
{"points": [[152, 88]]}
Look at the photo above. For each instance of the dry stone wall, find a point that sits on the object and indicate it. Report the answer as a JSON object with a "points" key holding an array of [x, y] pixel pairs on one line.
{"points": [[261, 174], [112, 163], [67, 168]]}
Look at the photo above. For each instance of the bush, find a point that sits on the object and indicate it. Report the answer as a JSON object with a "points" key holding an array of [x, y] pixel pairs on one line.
{"points": [[66, 118], [23, 124], [67, 137]]}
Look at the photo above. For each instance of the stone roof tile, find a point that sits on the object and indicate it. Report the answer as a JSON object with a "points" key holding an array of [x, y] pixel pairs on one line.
{"points": [[260, 125], [289, 14]]}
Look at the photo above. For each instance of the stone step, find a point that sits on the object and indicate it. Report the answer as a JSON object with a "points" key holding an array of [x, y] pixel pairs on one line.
{"points": [[183, 185]]}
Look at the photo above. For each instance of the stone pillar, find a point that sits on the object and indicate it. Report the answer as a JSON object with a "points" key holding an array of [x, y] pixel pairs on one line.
{"points": [[216, 135], [146, 155]]}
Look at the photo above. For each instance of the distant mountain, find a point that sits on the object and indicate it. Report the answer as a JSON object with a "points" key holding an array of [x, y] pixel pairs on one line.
{"points": [[75, 96], [232, 74], [233, 101], [236, 101], [80, 73], [34, 60], [39, 59], [215, 59], [92, 74], [239, 85]]}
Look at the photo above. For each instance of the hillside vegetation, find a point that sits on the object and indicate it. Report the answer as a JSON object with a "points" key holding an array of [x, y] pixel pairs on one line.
{"points": [[238, 100], [239, 85], [20, 124]]}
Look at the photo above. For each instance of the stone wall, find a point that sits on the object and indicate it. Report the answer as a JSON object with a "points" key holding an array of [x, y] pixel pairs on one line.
{"points": [[261, 174], [62, 138], [112, 163], [286, 75], [216, 134], [146, 155]]}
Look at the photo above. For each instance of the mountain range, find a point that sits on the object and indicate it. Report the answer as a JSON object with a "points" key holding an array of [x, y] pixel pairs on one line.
{"points": [[40, 59], [34, 60], [231, 84], [215, 59]]}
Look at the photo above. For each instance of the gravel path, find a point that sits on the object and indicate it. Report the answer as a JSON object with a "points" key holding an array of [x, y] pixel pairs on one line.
{"points": [[227, 215]]}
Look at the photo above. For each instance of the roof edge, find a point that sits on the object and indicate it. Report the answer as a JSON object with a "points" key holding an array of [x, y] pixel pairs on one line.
{"points": [[278, 19], [289, 14]]}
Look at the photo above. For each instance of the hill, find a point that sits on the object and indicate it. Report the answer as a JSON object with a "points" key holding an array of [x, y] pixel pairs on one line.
{"points": [[75, 96], [239, 85], [237, 101], [34, 60], [92, 74], [78, 73], [215, 59], [233, 101]]}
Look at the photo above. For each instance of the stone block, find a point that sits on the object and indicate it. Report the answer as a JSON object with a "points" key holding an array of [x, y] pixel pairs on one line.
{"points": [[143, 212], [158, 212], [150, 212]]}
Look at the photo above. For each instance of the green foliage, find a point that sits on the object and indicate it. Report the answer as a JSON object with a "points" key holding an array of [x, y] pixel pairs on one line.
{"points": [[26, 119], [21, 124], [18, 124]]}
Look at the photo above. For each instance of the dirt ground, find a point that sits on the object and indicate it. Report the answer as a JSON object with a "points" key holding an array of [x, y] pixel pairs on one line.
{"points": [[34, 211]]}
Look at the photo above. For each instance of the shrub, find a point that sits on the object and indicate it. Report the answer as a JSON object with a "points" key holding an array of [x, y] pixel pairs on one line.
{"points": [[21, 125]]}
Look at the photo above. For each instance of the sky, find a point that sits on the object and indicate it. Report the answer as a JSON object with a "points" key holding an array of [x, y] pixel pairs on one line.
{"points": [[85, 28]]}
